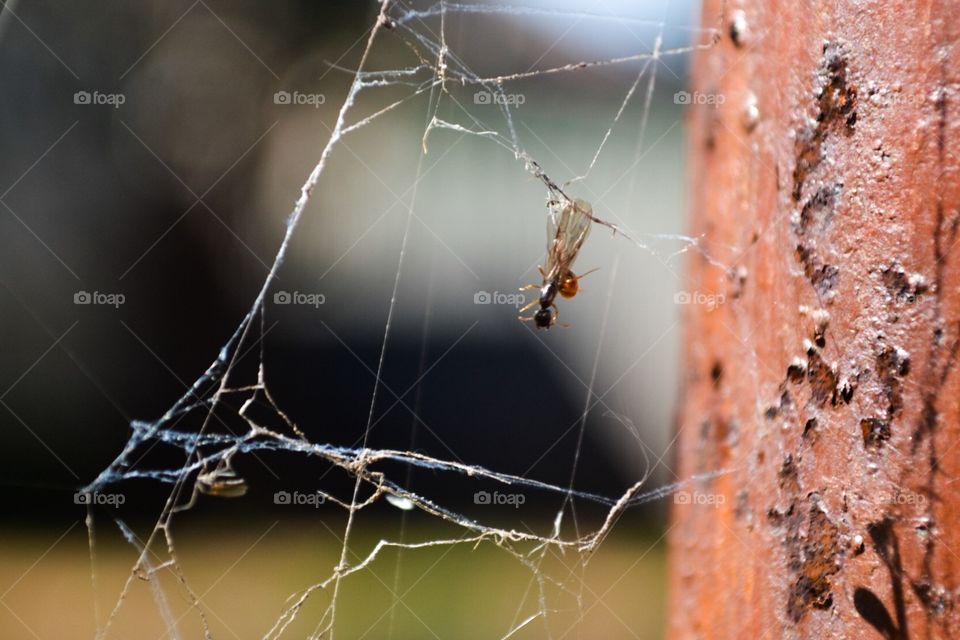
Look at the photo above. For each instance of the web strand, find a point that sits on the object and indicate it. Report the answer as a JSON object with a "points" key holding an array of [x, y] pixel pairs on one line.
{"points": [[438, 71]]}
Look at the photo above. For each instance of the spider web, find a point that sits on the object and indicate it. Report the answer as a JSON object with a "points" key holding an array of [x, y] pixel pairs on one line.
{"points": [[197, 424]]}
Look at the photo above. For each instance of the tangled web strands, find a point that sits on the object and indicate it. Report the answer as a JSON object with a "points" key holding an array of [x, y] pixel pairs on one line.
{"points": [[208, 449]]}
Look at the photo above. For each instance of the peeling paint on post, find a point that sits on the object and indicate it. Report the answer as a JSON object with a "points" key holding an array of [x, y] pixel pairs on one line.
{"points": [[828, 181]]}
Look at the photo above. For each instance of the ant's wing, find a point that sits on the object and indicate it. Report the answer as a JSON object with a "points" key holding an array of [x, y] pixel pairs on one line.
{"points": [[553, 237], [567, 229], [572, 230]]}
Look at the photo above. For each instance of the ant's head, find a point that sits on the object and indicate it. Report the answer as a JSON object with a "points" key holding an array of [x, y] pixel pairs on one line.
{"points": [[569, 284], [543, 318]]}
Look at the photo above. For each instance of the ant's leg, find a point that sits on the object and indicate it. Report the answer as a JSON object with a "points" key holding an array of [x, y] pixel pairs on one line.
{"points": [[529, 306], [540, 269], [529, 287], [556, 317]]}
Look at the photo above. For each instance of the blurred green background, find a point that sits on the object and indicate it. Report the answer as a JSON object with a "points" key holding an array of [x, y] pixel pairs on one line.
{"points": [[244, 581], [175, 196]]}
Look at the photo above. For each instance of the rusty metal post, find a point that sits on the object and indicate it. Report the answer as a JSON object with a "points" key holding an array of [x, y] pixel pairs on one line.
{"points": [[827, 185]]}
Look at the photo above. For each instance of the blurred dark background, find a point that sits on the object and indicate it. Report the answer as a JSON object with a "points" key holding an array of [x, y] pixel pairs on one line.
{"points": [[148, 167]]}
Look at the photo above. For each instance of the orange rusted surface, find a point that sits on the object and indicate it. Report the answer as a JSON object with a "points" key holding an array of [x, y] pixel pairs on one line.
{"points": [[826, 186]]}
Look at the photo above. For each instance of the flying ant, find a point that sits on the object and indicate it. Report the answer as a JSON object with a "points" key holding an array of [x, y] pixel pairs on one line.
{"points": [[566, 232]]}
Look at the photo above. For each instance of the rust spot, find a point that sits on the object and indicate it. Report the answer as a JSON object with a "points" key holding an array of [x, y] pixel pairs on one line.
{"points": [[904, 288], [739, 278], [808, 157], [836, 106], [716, 373], [717, 451], [788, 475], [718, 435], [796, 371], [935, 599], [741, 509], [713, 123], [814, 220], [822, 379], [891, 365], [777, 518], [838, 100], [875, 432], [822, 276], [821, 322], [817, 213], [846, 389], [814, 554], [819, 337], [722, 430], [858, 545], [784, 404]]}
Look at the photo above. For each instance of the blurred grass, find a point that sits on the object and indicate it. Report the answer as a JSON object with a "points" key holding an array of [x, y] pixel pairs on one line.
{"points": [[244, 572]]}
